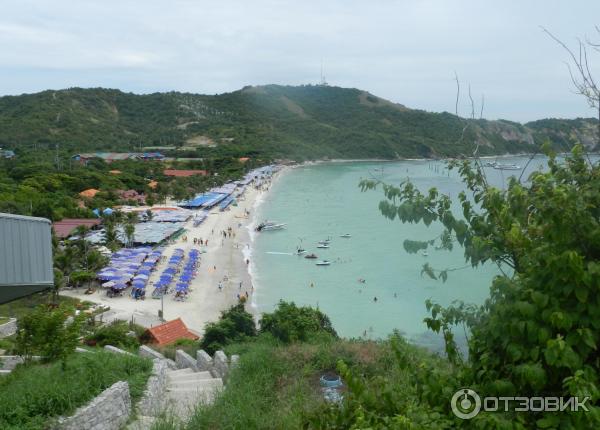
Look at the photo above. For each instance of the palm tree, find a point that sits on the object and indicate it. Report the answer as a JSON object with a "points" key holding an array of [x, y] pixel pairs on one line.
{"points": [[129, 233]]}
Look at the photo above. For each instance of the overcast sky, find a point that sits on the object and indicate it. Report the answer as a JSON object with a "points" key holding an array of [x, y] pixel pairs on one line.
{"points": [[405, 51]]}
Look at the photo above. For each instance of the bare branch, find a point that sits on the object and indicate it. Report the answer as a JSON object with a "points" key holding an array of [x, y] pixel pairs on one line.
{"points": [[482, 105]]}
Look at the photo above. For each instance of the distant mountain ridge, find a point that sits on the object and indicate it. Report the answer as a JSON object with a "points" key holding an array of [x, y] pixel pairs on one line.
{"points": [[297, 122]]}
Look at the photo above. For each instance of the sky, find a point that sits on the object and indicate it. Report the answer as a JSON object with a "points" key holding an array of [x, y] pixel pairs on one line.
{"points": [[404, 51]]}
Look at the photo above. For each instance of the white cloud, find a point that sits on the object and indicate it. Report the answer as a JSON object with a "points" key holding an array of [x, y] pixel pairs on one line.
{"points": [[406, 51]]}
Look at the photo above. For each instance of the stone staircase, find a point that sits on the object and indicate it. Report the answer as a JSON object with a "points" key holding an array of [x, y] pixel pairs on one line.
{"points": [[176, 388], [187, 388]]}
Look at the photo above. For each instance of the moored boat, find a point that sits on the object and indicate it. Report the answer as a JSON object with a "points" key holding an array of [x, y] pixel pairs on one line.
{"points": [[323, 263], [311, 256]]}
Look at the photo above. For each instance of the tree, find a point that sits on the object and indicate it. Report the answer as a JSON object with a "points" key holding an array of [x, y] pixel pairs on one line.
{"points": [[234, 325], [52, 333], [290, 323], [129, 233], [582, 78], [537, 334]]}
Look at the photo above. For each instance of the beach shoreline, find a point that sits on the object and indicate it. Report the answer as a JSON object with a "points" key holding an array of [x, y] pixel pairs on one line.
{"points": [[225, 261]]}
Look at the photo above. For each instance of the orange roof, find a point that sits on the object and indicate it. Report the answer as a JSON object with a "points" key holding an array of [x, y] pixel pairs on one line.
{"points": [[89, 193], [115, 172], [152, 184], [180, 173], [170, 331]]}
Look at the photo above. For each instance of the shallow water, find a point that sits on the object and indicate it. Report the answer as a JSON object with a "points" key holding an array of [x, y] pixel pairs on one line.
{"points": [[321, 201]]}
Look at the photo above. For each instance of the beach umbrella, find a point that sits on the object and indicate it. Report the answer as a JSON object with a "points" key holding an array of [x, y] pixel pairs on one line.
{"points": [[186, 278], [108, 284], [140, 276]]}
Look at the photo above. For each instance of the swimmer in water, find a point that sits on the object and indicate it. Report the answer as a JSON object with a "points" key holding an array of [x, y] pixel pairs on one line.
{"points": [[375, 299]]}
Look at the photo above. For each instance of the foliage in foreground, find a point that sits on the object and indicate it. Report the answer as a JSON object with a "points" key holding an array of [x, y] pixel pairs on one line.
{"points": [[276, 386], [290, 323], [121, 334], [31, 395], [52, 333], [234, 325], [537, 334]]}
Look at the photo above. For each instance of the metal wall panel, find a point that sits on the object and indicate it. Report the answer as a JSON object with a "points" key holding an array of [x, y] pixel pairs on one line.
{"points": [[25, 256]]}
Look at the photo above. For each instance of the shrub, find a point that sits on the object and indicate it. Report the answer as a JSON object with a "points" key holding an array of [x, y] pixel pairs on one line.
{"points": [[115, 334], [234, 325], [52, 333], [290, 323]]}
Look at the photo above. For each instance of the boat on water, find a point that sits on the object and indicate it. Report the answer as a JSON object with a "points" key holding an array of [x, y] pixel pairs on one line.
{"points": [[502, 166], [300, 251], [323, 263], [323, 245], [510, 166], [311, 256], [425, 254], [346, 235], [267, 226]]}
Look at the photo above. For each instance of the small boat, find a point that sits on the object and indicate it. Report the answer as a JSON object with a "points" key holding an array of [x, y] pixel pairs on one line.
{"points": [[323, 263], [311, 256], [300, 251], [511, 166], [323, 246], [502, 166], [425, 254], [346, 235], [267, 226]]}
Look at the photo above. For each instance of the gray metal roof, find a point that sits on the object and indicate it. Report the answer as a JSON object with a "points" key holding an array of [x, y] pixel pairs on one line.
{"points": [[25, 256]]}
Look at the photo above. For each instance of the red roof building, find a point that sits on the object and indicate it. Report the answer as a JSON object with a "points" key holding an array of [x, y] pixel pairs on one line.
{"points": [[170, 332], [65, 227], [184, 173]]}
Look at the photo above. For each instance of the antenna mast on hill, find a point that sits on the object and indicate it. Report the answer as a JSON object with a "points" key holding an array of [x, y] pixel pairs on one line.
{"points": [[323, 81]]}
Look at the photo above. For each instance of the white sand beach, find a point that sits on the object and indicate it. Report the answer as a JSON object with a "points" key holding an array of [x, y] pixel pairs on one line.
{"points": [[222, 258]]}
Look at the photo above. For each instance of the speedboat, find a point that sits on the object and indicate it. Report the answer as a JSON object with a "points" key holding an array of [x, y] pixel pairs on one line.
{"points": [[266, 226], [300, 251], [323, 263], [346, 235], [511, 166], [323, 246], [311, 256]]}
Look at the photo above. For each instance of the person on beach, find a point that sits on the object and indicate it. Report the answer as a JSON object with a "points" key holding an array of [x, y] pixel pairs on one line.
{"points": [[247, 261], [220, 286], [241, 284]]}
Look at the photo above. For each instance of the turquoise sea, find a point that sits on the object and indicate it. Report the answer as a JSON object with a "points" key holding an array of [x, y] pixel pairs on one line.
{"points": [[323, 200]]}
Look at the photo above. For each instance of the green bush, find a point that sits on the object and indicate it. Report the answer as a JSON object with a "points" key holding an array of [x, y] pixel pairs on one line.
{"points": [[290, 323], [115, 334], [31, 395], [52, 333], [234, 325]]}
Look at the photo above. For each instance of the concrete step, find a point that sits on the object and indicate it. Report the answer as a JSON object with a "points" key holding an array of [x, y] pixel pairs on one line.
{"points": [[186, 377], [184, 398], [197, 385], [142, 423], [185, 371]]}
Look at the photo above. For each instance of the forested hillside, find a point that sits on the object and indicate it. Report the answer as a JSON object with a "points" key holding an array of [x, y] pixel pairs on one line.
{"points": [[302, 122]]}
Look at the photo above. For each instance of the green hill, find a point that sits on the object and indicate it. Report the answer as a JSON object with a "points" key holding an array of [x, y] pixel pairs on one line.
{"points": [[302, 122]]}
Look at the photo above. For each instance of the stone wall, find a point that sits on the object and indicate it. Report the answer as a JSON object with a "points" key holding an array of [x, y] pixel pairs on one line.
{"points": [[220, 365], [153, 402], [109, 411], [9, 328], [146, 351], [183, 360]]}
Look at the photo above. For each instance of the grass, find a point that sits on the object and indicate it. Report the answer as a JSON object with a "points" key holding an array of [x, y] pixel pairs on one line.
{"points": [[277, 386], [18, 308], [31, 396], [4, 320]]}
